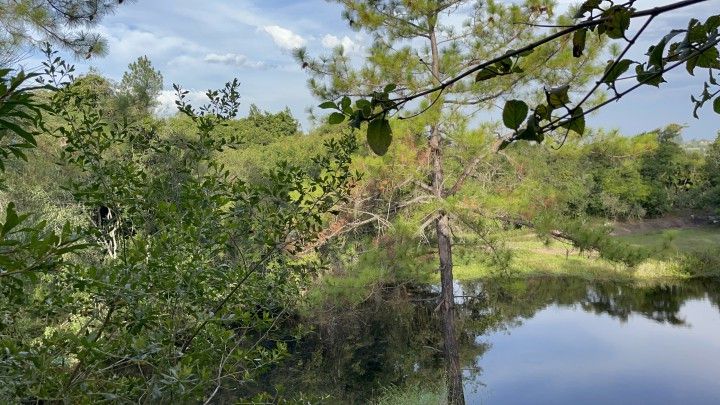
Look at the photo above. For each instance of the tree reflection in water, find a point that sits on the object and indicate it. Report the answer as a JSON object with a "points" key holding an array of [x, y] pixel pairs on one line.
{"points": [[394, 338]]}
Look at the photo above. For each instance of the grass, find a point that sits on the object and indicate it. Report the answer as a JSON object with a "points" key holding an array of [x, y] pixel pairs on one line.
{"points": [[413, 395], [680, 240], [533, 257]]}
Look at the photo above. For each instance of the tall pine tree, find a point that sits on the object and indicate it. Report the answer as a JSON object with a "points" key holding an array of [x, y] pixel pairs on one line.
{"points": [[417, 45]]}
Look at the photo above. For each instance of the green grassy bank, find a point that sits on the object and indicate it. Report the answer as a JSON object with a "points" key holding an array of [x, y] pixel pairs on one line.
{"points": [[672, 251], [676, 254]]}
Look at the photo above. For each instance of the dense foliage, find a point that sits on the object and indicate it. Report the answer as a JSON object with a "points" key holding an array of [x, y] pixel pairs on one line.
{"points": [[186, 270], [149, 259]]}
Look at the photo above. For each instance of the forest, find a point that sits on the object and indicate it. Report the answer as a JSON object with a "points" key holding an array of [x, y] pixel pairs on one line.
{"points": [[446, 227]]}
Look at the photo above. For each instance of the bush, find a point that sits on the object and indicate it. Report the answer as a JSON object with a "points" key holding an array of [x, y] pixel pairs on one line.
{"points": [[700, 263]]}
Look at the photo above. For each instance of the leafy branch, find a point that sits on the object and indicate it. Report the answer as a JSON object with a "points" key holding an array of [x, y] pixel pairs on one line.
{"points": [[605, 18]]}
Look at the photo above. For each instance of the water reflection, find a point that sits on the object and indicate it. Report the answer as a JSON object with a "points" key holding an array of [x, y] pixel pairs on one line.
{"points": [[522, 341]]}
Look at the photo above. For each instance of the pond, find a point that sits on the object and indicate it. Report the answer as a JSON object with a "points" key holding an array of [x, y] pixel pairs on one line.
{"points": [[545, 340], [620, 345]]}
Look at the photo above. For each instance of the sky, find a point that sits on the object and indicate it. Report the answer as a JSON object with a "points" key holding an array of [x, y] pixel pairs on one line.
{"points": [[203, 44]]}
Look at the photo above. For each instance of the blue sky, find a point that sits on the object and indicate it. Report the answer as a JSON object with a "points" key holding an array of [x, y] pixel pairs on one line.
{"points": [[203, 44]]}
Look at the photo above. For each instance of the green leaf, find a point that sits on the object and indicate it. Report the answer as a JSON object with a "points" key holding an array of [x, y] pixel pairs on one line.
{"points": [[648, 77], [504, 144], [710, 58], [336, 118], [527, 134], [364, 106], [514, 113], [362, 103], [656, 52], [614, 70], [379, 136], [558, 96], [346, 105], [485, 74], [542, 112], [617, 21], [526, 53], [504, 65], [389, 88], [11, 219], [579, 39], [588, 5], [577, 122], [712, 22], [328, 104], [716, 104], [19, 131]]}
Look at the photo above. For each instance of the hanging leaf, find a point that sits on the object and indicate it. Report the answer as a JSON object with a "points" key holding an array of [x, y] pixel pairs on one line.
{"points": [[716, 105], [11, 219], [614, 70], [576, 123], [542, 112], [710, 59], [656, 52], [527, 134], [557, 97], [505, 65], [379, 136], [504, 144], [616, 22], [485, 74], [648, 77], [579, 39], [346, 105], [514, 113], [336, 118], [587, 6], [328, 104]]}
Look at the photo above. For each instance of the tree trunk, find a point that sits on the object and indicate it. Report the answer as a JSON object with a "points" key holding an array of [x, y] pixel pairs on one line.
{"points": [[455, 393], [453, 372]]}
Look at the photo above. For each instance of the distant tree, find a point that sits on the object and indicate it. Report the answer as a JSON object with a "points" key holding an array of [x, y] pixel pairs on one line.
{"points": [[712, 161], [668, 170], [61, 22], [711, 171], [279, 124], [140, 86]]}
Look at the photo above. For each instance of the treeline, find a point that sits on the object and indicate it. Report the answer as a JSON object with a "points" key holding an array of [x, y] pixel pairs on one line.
{"points": [[616, 177]]}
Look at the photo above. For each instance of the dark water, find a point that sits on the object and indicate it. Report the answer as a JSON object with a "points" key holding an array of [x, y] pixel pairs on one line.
{"points": [[540, 341]]}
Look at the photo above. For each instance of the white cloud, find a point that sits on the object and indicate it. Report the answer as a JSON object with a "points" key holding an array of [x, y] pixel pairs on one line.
{"points": [[130, 43], [233, 59], [166, 101], [283, 37], [348, 45]]}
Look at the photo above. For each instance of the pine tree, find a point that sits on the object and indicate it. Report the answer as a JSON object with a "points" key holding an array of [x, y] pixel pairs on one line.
{"points": [[419, 44], [140, 86], [65, 23]]}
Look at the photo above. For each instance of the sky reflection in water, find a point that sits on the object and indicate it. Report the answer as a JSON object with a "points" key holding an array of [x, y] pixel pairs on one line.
{"points": [[565, 355]]}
